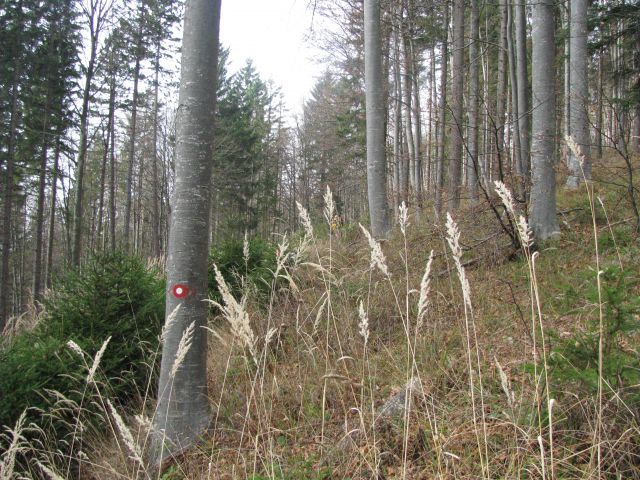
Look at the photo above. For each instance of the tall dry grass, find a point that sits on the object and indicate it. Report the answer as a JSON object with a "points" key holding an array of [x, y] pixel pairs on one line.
{"points": [[370, 361]]}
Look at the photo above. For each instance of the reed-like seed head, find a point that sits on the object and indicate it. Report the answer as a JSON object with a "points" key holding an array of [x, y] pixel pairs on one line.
{"points": [[377, 257]]}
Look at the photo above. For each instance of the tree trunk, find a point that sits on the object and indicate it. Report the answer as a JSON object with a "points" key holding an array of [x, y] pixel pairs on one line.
{"points": [[523, 86], [515, 113], [579, 94], [7, 216], [542, 210], [37, 261], [52, 212], [112, 165], [473, 164], [82, 153], [375, 121], [407, 102], [417, 124], [103, 175], [457, 93], [183, 406], [599, 114], [567, 71], [132, 152], [156, 237], [442, 116], [501, 91], [400, 158]]}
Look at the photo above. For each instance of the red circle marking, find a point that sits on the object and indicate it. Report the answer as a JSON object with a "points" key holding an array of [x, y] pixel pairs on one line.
{"points": [[180, 290]]}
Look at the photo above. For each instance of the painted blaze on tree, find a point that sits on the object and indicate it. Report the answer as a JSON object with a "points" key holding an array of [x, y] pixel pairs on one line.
{"points": [[182, 413]]}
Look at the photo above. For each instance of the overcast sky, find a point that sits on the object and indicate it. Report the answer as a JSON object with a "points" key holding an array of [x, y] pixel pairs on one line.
{"points": [[272, 34]]}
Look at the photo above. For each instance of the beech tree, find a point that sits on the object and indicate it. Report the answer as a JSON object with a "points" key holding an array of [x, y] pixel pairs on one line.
{"points": [[542, 210], [182, 413], [375, 114], [578, 93]]}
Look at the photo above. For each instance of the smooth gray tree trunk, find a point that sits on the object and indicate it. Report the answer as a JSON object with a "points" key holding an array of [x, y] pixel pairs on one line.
{"points": [[501, 91], [457, 101], [375, 121], [515, 112], [579, 94], [182, 412], [542, 209]]}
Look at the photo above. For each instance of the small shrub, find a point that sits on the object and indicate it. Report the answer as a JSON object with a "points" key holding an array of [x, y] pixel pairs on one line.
{"points": [[254, 272], [575, 359], [113, 296]]}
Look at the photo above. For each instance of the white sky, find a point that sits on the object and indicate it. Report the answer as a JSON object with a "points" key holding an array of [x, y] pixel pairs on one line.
{"points": [[272, 34]]}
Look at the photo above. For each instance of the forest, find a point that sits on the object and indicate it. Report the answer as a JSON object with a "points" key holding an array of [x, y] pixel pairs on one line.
{"points": [[431, 269]]}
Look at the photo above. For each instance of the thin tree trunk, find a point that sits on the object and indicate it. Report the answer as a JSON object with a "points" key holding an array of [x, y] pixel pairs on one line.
{"points": [[442, 117], [457, 92], [37, 263], [82, 153], [567, 70], [473, 165], [112, 164], [7, 216], [523, 86], [407, 110], [103, 174], [515, 113], [52, 212], [579, 94], [501, 91], [417, 124], [132, 153], [599, 114], [155, 235]]}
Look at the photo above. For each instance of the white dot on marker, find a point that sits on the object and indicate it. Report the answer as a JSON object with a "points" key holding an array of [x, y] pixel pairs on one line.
{"points": [[179, 291]]}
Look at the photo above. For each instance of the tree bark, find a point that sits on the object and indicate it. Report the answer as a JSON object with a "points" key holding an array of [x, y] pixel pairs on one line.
{"points": [[37, 261], [442, 116], [457, 93], [375, 121], [542, 210], [7, 215], [132, 152], [156, 236], [52, 212], [501, 91], [473, 164], [183, 406], [579, 95], [523, 86], [515, 112]]}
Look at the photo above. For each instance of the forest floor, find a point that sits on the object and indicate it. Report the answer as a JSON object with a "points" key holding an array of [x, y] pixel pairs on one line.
{"points": [[531, 371]]}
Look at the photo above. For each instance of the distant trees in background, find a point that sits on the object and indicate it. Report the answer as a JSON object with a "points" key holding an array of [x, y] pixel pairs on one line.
{"points": [[87, 136]]}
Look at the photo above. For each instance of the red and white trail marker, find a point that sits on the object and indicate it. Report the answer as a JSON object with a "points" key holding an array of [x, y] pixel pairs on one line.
{"points": [[180, 290]]}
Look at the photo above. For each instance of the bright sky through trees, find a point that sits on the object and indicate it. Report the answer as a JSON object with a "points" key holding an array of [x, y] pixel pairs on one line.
{"points": [[272, 34]]}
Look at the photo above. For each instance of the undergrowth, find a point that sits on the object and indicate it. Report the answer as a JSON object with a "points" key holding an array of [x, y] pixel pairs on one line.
{"points": [[438, 353]]}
